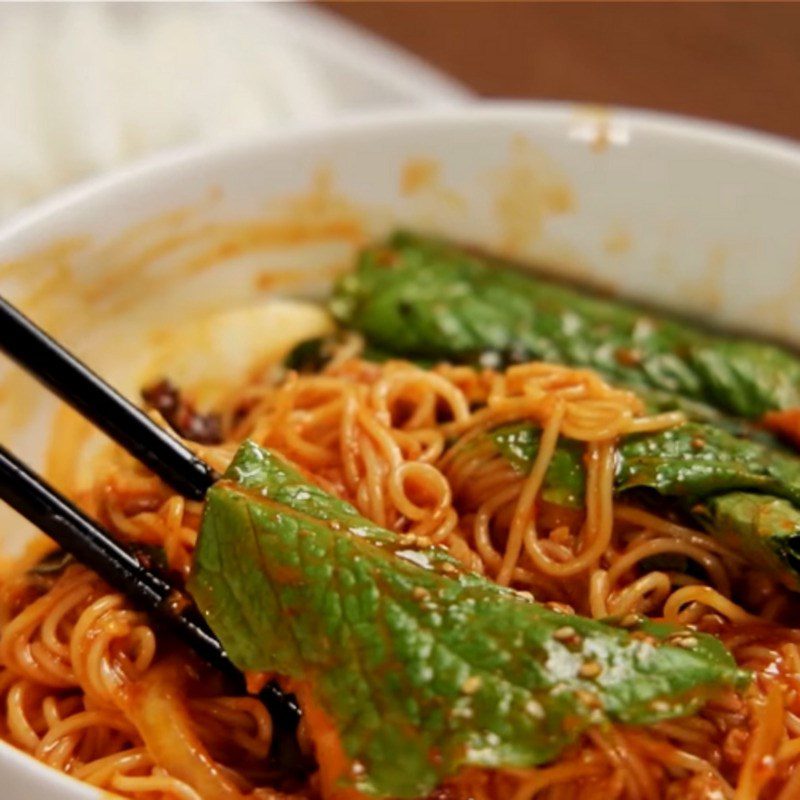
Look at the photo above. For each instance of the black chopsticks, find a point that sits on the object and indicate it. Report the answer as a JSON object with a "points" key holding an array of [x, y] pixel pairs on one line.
{"points": [[79, 535], [92, 397]]}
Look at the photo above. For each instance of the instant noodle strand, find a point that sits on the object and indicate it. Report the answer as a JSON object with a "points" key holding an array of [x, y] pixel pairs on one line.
{"points": [[83, 676]]}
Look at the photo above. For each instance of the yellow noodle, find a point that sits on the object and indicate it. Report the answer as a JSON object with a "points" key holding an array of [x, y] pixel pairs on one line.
{"points": [[408, 448]]}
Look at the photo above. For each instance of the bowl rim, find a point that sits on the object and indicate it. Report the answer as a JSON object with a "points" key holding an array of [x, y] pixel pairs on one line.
{"points": [[35, 219], [747, 142]]}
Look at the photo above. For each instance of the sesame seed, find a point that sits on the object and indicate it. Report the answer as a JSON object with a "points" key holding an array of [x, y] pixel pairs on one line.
{"points": [[591, 669], [471, 684], [687, 642], [448, 568], [588, 699], [525, 595], [661, 706], [564, 634], [420, 593], [630, 621], [534, 709]]}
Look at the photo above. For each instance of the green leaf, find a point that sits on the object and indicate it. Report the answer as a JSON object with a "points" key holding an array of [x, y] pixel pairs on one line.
{"points": [[692, 460], [313, 355], [766, 530], [422, 668], [565, 480], [695, 460], [747, 378], [741, 490], [423, 298]]}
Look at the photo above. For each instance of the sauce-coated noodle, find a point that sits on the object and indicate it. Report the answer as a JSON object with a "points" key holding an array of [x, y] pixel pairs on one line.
{"points": [[84, 678]]}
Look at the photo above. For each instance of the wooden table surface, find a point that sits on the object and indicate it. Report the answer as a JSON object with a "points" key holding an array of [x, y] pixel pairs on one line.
{"points": [[735, 63]]}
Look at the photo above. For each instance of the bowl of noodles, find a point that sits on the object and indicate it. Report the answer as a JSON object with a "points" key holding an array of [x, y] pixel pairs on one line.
{"points": [[506, 405]]}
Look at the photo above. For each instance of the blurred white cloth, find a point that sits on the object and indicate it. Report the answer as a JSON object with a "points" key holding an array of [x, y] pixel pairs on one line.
{"points": [[87, 87]]}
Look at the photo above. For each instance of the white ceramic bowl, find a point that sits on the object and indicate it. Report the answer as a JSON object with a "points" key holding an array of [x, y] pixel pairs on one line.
{"points": [[681, 212]]}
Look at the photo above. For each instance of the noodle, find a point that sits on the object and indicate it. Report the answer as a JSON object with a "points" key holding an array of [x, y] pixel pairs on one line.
{"points": [[89, 687]]}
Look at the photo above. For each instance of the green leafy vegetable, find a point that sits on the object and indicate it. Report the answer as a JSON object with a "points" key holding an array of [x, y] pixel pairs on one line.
{"points": [[765, 529], [696, 460], [741, 490], [426, 299], [565, 480], [313, 355], [420, 667]]}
